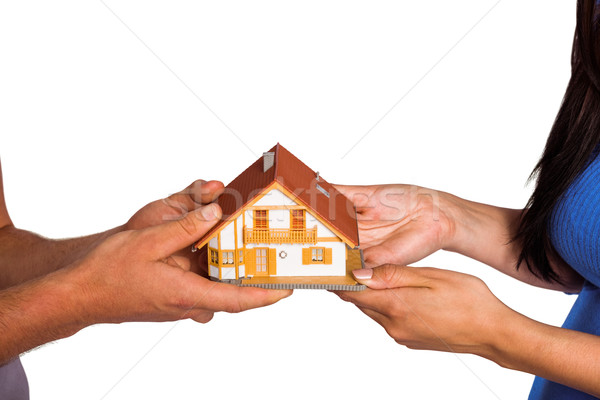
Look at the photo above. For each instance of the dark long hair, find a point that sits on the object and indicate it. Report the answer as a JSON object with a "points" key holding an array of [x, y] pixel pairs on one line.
{"points": [[573, 137]]}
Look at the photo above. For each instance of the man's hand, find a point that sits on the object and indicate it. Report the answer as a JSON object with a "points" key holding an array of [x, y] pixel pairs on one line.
{"points": [[399, 224], [174, 207], [138, 275], [135, 275]]}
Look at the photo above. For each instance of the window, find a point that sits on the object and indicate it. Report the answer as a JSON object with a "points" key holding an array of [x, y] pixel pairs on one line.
{"points": [[316, 254], [297, 219], [214, 256], [227, 257], [261, 219], [241, 257]]}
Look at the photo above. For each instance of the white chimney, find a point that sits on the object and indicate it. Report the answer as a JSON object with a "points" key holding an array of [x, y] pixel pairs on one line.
{"points": [[268, 160]]}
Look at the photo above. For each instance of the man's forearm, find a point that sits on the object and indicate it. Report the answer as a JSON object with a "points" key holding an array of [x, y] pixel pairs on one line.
{"points": [[25, 255], [38, 312], [485, 233]]}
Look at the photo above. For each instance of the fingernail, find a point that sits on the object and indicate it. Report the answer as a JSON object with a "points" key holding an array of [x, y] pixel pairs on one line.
{"points": [[363, 274], [209, 212]]}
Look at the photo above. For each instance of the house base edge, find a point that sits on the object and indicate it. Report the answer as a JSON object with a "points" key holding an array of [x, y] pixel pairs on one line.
{"points": [[356, 287]]}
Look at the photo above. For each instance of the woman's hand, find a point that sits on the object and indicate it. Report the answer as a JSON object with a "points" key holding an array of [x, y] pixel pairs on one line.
{"points": [[435, 309], [400, 224], [432, 309]]}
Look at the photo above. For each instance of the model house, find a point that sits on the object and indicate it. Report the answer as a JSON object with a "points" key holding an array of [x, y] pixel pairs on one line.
{"points": [[283, 225]]}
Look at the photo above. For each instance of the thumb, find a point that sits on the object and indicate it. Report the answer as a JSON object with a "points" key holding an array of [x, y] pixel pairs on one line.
{"points": [[390, 276], [172, 236]]}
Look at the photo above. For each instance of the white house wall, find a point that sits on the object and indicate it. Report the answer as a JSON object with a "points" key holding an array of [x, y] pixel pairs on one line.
{"points": [[228, 243], [227, 237], [322, 230], [280, 218], [275, 197], [240, 234], [291, 265], [228, 273]]}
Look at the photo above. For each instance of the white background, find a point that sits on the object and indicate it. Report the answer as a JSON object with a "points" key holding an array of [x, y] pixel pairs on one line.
{"points": [[93, 125]]}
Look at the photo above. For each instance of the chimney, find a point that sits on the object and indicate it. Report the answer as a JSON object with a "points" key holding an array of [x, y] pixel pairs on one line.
{"points": [[268, 160]]}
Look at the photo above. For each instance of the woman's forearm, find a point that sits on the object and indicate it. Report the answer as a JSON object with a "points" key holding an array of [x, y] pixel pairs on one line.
{"points": [[560, 355], [484, 233]]}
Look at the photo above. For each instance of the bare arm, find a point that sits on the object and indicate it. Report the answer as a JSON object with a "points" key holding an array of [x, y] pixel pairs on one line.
{"points": [[38, 312], [131, 276], [560, 355], [54, 288], [485, 233], [25, 255], [435, 309]]}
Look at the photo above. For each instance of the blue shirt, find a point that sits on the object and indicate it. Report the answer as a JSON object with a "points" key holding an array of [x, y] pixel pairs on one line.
{"points": [[574, 231]]}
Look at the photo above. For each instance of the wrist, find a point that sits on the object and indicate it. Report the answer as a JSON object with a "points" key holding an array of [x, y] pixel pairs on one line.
{"points": [[453, 215], [501, 343], [96, 291], [481, 231], [68, 294]]}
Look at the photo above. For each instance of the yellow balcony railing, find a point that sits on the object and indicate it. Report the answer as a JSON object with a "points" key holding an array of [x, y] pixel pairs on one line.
{"points": [[280, 235]]}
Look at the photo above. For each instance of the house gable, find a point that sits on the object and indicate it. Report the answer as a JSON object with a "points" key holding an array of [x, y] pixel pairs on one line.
{"points": [[300, 185]]}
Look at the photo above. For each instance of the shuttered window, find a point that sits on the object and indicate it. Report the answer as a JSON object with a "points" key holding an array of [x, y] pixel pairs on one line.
{"points": [[297, 219], [261, 220], [316, 255]]}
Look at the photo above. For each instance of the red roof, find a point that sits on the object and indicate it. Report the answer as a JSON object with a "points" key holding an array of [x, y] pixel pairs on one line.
{"points": [[306, 188]]}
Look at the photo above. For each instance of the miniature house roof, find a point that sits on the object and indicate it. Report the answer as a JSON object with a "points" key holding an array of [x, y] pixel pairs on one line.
{"points": [[278, 168]]}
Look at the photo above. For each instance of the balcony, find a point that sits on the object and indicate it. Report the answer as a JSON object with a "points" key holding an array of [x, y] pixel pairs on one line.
{"points": [[280, 236]]}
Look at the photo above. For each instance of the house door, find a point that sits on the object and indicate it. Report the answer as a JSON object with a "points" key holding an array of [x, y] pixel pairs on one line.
{"points": [[261, 261]]}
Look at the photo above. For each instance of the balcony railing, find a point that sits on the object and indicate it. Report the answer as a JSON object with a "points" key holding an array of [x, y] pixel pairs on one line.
{"points": [[280, 235]]}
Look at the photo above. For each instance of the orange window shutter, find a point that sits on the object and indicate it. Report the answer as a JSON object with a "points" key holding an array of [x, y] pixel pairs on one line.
{"points": [[297, 219], [261, 219], [327, 256], [305, 256], [250, 262], [272, 261]]}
